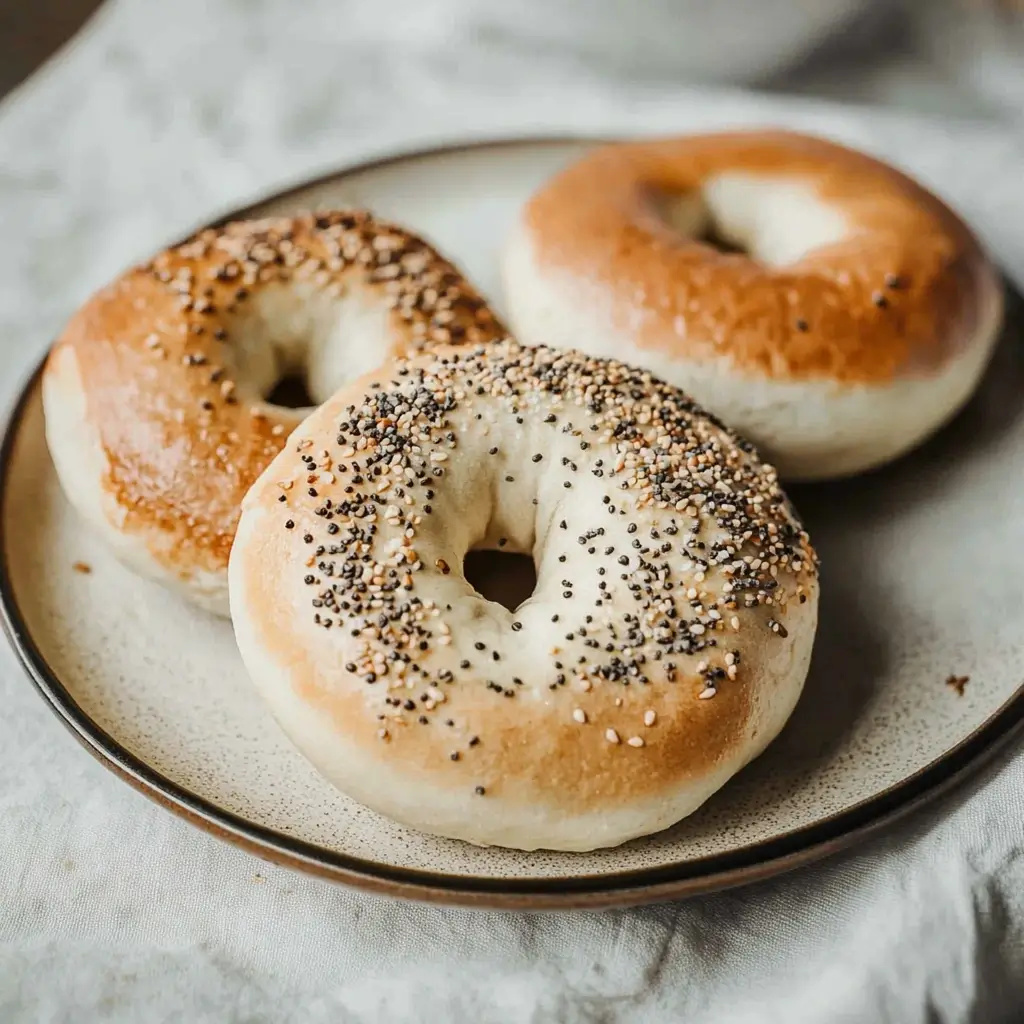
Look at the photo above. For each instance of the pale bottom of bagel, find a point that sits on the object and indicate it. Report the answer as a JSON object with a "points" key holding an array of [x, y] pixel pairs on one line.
{"points": [[81, 464], [809, 430]]}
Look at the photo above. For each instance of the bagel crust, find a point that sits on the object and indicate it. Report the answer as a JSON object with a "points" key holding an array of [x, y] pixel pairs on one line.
{"points": [[155, 394], [664, 646], [856, 317]]}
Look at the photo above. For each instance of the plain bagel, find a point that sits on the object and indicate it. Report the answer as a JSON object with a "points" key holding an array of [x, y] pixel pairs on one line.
{"points": [[154, 396], [857, 317], [664, 646]]}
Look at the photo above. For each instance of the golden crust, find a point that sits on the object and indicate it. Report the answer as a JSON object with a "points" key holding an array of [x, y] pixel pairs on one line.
{"points": [[182, 438], [904, 293]]}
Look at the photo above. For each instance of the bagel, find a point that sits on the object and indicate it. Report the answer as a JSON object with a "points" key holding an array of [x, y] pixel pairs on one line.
{"points": [[665, 643], [857, 316], [155, 395]]}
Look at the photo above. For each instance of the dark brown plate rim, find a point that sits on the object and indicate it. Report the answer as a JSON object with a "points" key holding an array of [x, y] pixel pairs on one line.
{"points": [[741, 866]]}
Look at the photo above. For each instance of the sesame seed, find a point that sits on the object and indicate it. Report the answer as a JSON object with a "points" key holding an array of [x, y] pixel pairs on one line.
{"points": [[580, 715], [611, 736]]}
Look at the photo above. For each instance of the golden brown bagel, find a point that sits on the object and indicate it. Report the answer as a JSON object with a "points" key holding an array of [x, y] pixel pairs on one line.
{"points": [[155, 394], [664, 645], [857, 318]]}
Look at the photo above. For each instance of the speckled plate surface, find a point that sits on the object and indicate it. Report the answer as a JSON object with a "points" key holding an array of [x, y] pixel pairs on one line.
{"points": [[923, 580]]}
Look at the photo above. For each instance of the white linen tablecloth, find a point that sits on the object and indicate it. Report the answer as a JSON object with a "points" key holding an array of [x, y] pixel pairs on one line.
{"points": [[113, 910]]}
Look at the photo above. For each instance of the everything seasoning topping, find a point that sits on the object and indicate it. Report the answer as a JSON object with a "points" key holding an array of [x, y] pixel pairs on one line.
{"points": [[220, 270], [213, 283], [709, 533]]}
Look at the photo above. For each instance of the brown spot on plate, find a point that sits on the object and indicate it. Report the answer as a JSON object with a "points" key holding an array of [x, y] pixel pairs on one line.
{"points": [[958, 683]]}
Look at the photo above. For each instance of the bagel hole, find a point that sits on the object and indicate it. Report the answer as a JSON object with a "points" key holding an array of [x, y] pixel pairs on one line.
{"points": [[711, 235], [505, 577], [770, 219], [291, 392], [689, 215]]}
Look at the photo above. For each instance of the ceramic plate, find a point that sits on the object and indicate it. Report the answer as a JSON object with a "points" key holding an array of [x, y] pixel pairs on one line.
{"points": [[923, 580]]}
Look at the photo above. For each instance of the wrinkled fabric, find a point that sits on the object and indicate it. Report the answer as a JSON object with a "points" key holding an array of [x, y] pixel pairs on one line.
{"points": [[113, 910]]}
